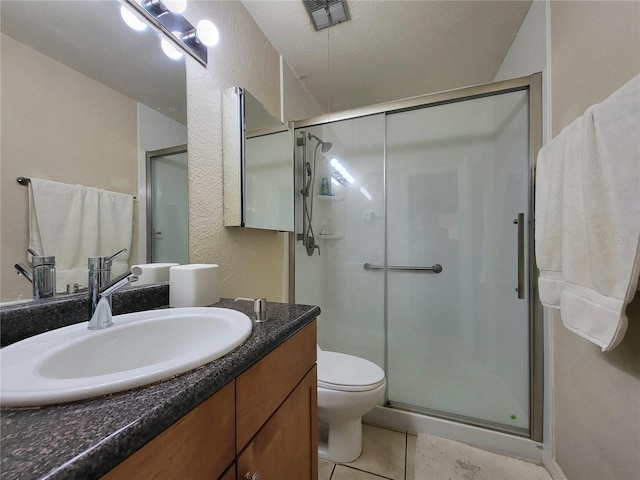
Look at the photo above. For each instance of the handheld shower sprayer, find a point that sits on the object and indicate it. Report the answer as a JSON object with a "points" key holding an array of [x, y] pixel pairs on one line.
{"points": [[305, 189]]}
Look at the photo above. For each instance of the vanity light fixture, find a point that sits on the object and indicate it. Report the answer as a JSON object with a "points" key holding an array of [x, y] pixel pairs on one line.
{"points": [[132, 20], [326, 13], [170, 50], [205, 32], [165, 16]]}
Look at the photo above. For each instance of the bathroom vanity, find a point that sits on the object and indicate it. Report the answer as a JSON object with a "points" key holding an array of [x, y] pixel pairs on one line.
{"points": [[250, 413]]}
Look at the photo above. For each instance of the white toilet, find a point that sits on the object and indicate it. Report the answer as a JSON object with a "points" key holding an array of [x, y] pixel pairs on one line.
{"points": [[348, 387]]}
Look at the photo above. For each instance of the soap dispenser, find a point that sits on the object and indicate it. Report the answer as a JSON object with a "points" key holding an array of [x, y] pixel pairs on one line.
{"points": [[259, 307]]}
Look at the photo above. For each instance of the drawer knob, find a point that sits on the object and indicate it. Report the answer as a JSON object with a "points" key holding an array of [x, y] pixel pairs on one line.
{"points": [[255, 476]]}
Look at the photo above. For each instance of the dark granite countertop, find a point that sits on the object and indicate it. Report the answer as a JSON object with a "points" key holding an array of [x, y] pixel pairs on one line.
{"points": [[85, 440]]}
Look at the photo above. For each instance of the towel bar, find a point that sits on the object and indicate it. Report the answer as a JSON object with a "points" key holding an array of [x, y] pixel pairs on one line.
{"points": [[26, 181]]}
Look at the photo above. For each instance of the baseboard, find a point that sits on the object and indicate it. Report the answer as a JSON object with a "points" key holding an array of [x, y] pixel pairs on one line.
{"points": [[478, 437]]}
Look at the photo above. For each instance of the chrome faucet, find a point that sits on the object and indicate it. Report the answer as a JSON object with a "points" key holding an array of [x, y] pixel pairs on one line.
{"points": [[102, 319], [42, 274], [100, 278]]}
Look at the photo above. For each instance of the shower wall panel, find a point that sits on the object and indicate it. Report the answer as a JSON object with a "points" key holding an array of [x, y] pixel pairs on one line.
{"points": [[349, 227]]}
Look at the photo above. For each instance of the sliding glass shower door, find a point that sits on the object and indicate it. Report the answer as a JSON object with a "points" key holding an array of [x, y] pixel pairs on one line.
{"points": [[457, 183], [421, 214]]}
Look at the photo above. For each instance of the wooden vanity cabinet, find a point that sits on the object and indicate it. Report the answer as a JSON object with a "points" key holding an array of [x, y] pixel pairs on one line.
{"points": [[195, 447], [276, 412], [264, 422]]}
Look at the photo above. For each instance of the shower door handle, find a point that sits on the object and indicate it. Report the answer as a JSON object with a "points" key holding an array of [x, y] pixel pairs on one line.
{"points": [[520, 222], [437, 268]]}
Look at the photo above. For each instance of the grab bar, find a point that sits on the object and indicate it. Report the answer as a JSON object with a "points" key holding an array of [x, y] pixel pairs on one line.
{"points": [[437, 268], [520, 222]]}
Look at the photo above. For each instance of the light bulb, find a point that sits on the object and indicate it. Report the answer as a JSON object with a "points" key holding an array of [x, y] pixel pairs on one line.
{"points": [[170, 50], [131, 19], [207, 33], [175, 6]]}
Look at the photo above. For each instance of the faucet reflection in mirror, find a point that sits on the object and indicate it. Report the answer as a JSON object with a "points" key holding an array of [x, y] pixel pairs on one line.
{"points": [[165, 16], [41, 274]]}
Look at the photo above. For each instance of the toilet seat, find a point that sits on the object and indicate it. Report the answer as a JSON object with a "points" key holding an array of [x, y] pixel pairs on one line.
{"points": [[346, 373]]}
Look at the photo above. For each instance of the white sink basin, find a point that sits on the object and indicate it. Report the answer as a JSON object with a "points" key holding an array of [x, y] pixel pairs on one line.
{"points": [[74, 363]]}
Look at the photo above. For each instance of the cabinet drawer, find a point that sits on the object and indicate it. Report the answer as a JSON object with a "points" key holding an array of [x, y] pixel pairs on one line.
{"points": [[195, 447], [262, 389]]}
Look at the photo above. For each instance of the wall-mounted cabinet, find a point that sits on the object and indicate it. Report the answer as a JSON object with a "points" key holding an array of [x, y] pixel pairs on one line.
{"points": [[257, 164]]}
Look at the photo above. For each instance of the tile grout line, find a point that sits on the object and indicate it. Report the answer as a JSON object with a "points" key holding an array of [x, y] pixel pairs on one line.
{"points": [[363, 471], [333, 469]]}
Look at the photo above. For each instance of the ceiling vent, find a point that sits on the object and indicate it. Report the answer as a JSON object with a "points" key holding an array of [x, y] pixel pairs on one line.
{"points": [[326, 13]]}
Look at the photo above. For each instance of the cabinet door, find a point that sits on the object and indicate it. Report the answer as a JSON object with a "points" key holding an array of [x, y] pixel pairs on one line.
{"points": [[262, 389], [230, 474], [287, 445]]}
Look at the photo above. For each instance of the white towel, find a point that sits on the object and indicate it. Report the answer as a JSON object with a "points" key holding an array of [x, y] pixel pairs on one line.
{"points": [[74, 222], [548, 216], [600, 220]]}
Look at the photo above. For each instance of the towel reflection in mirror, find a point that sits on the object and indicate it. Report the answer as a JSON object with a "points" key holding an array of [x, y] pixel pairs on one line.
{"points": [[75, 222]]}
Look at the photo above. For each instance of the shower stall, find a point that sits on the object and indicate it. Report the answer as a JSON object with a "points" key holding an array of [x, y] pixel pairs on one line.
{"points": [[419, 214]]}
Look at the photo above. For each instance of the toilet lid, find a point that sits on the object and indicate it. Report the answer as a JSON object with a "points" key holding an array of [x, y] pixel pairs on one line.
{"points": [[338, 371]]}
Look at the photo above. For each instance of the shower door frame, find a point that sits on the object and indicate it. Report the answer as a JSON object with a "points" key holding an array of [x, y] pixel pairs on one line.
{"points": [[533, 85]]}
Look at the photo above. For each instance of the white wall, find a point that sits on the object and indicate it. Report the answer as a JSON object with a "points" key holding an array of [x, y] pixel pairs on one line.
{"points": [[592, 420], [595, 49], [528, 52], [297, 104], [251, 261]]}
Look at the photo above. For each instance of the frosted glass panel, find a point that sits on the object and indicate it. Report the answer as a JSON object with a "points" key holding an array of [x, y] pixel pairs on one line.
{"points": [[170, 209], [348, 223], [456, 180]]}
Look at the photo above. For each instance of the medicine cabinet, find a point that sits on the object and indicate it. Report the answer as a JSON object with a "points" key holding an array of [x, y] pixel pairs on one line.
{"points": [[257, 165]]}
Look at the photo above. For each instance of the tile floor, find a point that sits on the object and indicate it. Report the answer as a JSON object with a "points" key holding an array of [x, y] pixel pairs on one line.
{"points": [[391, 455], [385, 455]]}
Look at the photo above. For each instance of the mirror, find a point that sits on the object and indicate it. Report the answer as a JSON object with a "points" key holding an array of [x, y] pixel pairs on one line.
{"points": [[258, 165], [84, 97]]}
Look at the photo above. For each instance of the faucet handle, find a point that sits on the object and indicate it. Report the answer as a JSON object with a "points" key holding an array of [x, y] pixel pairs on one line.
{"points": [[103, 263], [119, 252], [43, 260]]}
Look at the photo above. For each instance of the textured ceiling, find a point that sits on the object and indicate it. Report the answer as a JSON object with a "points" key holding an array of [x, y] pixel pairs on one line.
{"points": [[391, 49]]}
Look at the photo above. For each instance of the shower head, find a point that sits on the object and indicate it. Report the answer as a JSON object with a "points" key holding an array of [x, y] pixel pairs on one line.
{"points": [[326, 146]]}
